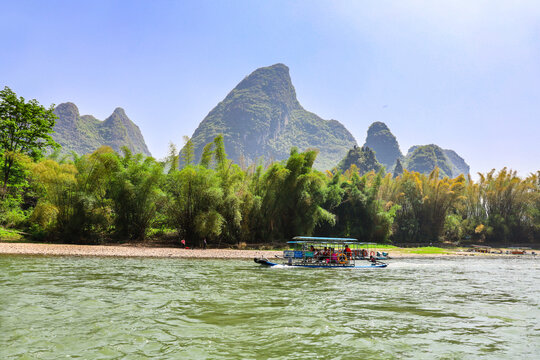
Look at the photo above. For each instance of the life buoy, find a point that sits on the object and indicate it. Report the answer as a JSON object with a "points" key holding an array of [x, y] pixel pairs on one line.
{"points": [[371, 253], [364, 253], [342, 258]]}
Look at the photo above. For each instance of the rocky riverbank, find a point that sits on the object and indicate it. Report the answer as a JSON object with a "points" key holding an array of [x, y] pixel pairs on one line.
{"points": [[131, 250]]}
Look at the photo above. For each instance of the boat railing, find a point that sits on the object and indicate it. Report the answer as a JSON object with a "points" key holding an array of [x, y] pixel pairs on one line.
{"points": [[311, 257]]}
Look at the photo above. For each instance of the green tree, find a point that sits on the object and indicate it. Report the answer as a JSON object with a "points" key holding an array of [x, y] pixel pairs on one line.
{"points": [[74, 205], [360, 213], [231, 181], [398, 169], [503, 202], [25, 128], [194, 197], [188, 152], [136, 195], [293, 195], [425, 202]]}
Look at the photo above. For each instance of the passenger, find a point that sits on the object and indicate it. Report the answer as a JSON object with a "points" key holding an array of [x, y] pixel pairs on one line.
{"points": [[333, 257], [372, 259], [348, 252], [315, 252]]}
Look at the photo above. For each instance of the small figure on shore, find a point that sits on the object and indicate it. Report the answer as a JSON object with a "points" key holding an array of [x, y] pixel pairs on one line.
{"points": [[204, 244], [183, 242]]}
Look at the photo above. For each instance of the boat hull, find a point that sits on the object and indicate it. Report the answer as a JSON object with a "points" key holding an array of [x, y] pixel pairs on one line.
{"points": [[268, 263]]}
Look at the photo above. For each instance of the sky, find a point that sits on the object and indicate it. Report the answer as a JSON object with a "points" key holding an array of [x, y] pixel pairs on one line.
{"points": [[464, 75]]}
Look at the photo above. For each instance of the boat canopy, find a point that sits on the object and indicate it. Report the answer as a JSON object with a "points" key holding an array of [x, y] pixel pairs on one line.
{"points": [[328, 240], [315, 238]]}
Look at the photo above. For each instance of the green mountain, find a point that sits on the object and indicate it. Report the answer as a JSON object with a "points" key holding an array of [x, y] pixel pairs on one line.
{"points": [[84, 134], [425, 158], [363, 158], [384, 143], [459, 166], [449, 162], [419, 158], [262, 118]]}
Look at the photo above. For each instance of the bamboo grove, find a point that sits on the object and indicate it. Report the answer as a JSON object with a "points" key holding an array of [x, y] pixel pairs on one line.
{"points": [[106, 196]]}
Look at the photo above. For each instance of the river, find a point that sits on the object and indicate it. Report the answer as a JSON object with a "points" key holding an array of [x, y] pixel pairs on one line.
{"points": [[132, 308]]}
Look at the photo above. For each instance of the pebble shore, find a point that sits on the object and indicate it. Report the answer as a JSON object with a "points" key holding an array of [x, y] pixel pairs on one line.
{"points": [[131, 250]]}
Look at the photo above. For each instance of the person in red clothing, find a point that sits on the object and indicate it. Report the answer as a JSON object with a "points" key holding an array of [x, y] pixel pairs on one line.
{"points": [[348, 251]]}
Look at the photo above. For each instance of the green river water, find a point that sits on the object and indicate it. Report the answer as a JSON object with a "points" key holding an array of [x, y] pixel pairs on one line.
{"points": [[133, 308]]}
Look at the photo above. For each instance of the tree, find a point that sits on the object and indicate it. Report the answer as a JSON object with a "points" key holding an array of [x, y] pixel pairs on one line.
{"points": [[188, 152], [292, 198], [194, 199], [173, 159], [398, 170], [359, 212], [25, 128], [135, 193], [75, 205], [425, 203]]}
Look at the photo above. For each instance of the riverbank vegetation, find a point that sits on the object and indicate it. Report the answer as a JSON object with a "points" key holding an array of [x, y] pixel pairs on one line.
{"points": [[108, 196]]}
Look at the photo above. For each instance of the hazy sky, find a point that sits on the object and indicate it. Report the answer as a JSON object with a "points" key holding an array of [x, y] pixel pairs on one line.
{"points": [[461, 74]]}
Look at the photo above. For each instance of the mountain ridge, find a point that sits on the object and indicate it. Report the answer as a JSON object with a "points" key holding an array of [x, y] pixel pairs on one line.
{"points": [[84, 133], [421, 158], [261, 117]]}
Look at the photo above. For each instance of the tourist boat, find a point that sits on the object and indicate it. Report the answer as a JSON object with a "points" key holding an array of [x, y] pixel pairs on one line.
{"points": [[324, 252]]}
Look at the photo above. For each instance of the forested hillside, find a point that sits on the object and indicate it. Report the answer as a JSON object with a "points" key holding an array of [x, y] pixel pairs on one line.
{"points": [[84, 134], [261, 118], [419, 158]]}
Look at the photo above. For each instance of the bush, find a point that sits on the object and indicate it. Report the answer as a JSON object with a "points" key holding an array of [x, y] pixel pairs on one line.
{"points": [[11, 215]]}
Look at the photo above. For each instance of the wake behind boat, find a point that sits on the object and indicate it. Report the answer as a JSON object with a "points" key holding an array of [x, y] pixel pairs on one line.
{"points": [[324, 252]]}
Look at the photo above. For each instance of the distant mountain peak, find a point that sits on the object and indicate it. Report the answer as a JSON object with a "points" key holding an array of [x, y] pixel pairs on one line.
{"points": [[84, 134], [447, 160], [120, 112], [381, 140], [262, 118], [378, 126], [68, 108]]}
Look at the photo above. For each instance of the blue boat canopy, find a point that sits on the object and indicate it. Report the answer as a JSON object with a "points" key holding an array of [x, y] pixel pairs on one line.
{"points": [[327, 239]]}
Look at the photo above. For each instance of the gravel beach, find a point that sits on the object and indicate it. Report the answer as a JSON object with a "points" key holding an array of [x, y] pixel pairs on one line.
{"points": [[131, 251], [142, 251], [165, 252]]}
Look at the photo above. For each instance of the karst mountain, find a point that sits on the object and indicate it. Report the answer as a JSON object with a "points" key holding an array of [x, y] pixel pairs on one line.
{"points": [[420, 158], [261, 119], [84, 134]]}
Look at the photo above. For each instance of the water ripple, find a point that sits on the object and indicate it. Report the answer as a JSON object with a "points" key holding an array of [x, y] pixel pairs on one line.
{"points": [[102, 308]]}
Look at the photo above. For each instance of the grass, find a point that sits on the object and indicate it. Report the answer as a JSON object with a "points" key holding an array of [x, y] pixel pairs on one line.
{"points": [[384, 247], [9, 235], [426, 250]]}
